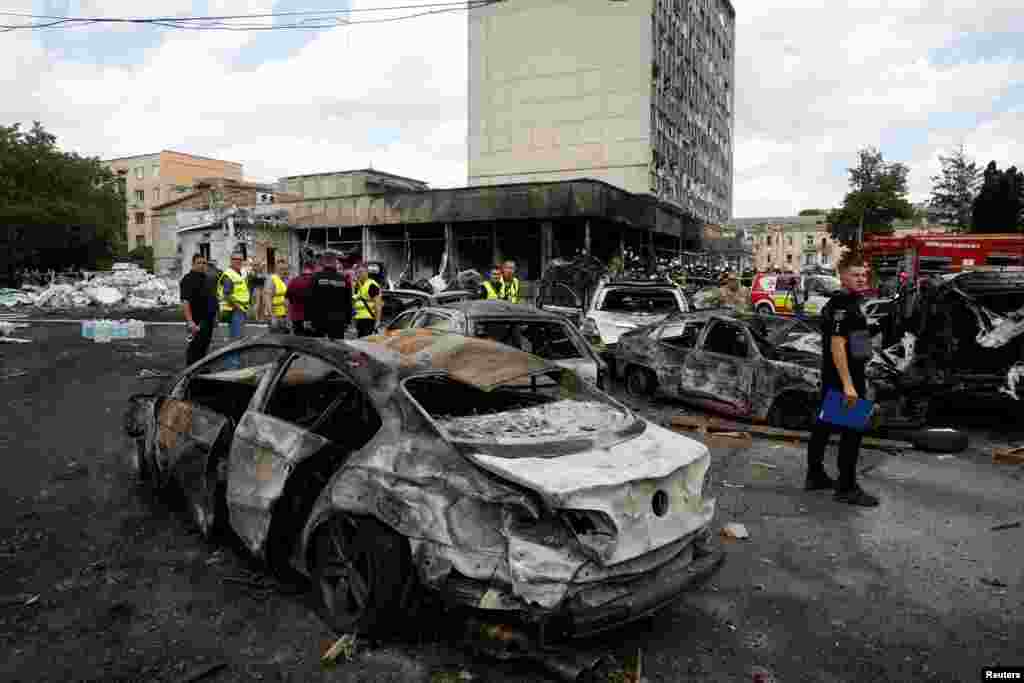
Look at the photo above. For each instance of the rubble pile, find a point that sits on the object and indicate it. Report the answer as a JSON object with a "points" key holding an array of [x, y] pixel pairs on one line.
{"points": [[126, 285]]}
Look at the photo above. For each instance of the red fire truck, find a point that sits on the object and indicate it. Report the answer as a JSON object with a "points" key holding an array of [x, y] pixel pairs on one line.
{"points": [[939, 253]]}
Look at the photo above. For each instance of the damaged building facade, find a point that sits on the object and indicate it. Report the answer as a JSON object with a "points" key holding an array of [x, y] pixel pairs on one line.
{"points": [[416, 233], [654, 116]]}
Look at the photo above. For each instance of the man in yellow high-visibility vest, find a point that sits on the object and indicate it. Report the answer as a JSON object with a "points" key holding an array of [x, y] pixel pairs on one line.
{"points": [[278, 306], [367, 302], [494, 288], [510, 291], [233, 293]]}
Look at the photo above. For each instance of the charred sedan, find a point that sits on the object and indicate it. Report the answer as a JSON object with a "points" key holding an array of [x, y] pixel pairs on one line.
{"points": [[759, 367], [433, 464]]}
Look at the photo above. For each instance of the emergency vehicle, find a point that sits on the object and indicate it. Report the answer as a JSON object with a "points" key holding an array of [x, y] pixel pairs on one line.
{"points": [[931, 254]]}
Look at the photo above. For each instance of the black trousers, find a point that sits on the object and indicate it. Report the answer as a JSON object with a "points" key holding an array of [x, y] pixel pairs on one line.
{"points": [[200, 343], [365, 326], [849, 448], [302, 328], [332, 329]]}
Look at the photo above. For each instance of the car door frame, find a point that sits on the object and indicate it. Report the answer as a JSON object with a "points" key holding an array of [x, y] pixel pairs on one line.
{"points": [[264, 446], [197, 460], [736, 402], [670, 374]]}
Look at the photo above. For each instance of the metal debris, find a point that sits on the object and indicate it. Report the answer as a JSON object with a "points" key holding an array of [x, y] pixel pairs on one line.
{"points": [[342, 647], [735, 530], [1008, 525]]}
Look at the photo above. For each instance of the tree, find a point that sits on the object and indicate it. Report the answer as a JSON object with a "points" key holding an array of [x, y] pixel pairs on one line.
{"points": [[999, 206], [57, 209], [813, 212], [954, 190], [878, 196]]}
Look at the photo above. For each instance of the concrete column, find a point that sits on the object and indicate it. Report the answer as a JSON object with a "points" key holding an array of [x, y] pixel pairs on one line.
{"points": [[449, 245], [365, 245], [495, 252], [586, 237], [546, 244]]}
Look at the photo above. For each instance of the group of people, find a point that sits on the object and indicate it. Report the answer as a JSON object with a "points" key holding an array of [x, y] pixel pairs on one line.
{"points": [[503, 285], [320, 302]]}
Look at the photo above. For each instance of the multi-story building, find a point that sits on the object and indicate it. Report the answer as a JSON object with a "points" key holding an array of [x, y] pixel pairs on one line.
{"points": [[638, 94], [152, 179], [790, 243], [347, 184]]}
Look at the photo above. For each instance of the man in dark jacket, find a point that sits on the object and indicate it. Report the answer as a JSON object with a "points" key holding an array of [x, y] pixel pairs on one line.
{"points": [[199, 303], [846, 348], [299, 290], [330, 301]]}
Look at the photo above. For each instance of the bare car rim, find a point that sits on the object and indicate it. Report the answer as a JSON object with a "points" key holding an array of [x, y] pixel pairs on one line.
{"points": [[360, 570], [638, 382]]}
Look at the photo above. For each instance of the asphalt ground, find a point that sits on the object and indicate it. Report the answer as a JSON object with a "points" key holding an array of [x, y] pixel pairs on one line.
{"points": [[102, 582]]}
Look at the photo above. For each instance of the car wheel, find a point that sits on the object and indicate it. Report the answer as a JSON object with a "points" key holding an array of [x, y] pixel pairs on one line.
{"points": [[940, 440], [612, 374], [764, 309], [639, 381], [796, 412], [360, 571]]}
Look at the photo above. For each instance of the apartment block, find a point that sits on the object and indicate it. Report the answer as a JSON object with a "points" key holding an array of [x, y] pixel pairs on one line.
{"points": [[152, 179], [790, 243], [638, 94]]}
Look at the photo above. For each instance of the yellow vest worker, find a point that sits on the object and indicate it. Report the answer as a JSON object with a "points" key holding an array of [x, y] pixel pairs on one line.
{"points": [[365, 298], [491, 292], [277, 305], [510, 290], [239, 292]]}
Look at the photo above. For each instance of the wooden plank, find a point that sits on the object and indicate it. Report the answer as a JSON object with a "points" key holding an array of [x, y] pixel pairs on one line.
{"points": [[714, 424]]}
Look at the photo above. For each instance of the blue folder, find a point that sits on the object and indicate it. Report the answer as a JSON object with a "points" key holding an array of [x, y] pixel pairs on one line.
{"points": [[835, 412]]}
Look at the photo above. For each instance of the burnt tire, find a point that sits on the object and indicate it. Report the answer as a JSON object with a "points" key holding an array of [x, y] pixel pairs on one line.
{"points": [[796, 412], [639, 381], [362, 571], [940, 440]]}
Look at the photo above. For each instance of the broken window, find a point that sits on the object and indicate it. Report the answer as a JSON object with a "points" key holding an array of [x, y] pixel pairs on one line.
{"points": [[728, 339], [550, 340], [403, 321], [227, 383], [316, 395], [395, 303], [552, 405], [682, 335], [436, 321], [651, 301]]}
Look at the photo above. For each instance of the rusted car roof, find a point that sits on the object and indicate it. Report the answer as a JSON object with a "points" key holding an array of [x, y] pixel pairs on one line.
{"points": [[481, 308], [480, 362]]}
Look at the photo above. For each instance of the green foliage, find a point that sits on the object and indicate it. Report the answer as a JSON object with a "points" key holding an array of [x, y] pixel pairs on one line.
{"points": [[999, 206], [57, 209], [878, 196], [813, 212], [954, 190], [143, 255]]}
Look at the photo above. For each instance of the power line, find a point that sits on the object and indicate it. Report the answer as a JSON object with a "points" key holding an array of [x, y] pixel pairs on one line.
{"points": [[307, 19]]}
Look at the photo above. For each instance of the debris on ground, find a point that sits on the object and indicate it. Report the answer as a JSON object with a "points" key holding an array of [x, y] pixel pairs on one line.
{"points": [[1008, 525], [735, 530], [146, 373], [451, 677], [995, 583], [126, 285], [10, 374], [1008, 456], [342, 647]]}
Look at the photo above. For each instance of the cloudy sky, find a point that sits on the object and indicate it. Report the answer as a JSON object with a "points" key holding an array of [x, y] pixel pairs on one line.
{"points": [[814, 82]]}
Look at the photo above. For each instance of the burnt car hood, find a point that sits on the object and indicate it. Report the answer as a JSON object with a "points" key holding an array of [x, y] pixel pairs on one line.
{"points": [[622, 481]]}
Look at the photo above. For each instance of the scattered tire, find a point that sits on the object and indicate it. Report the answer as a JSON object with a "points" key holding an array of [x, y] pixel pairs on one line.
{"points": [[940, 440], [639, 381], [360, 570]]}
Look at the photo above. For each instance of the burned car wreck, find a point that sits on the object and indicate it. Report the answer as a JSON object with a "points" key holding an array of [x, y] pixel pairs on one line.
{"points": [[433, 463], [936, 341]]}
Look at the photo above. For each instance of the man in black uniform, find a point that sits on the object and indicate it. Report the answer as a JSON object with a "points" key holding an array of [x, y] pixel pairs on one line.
{"points": [[846, 349], [199, 304], [330, 299]]}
